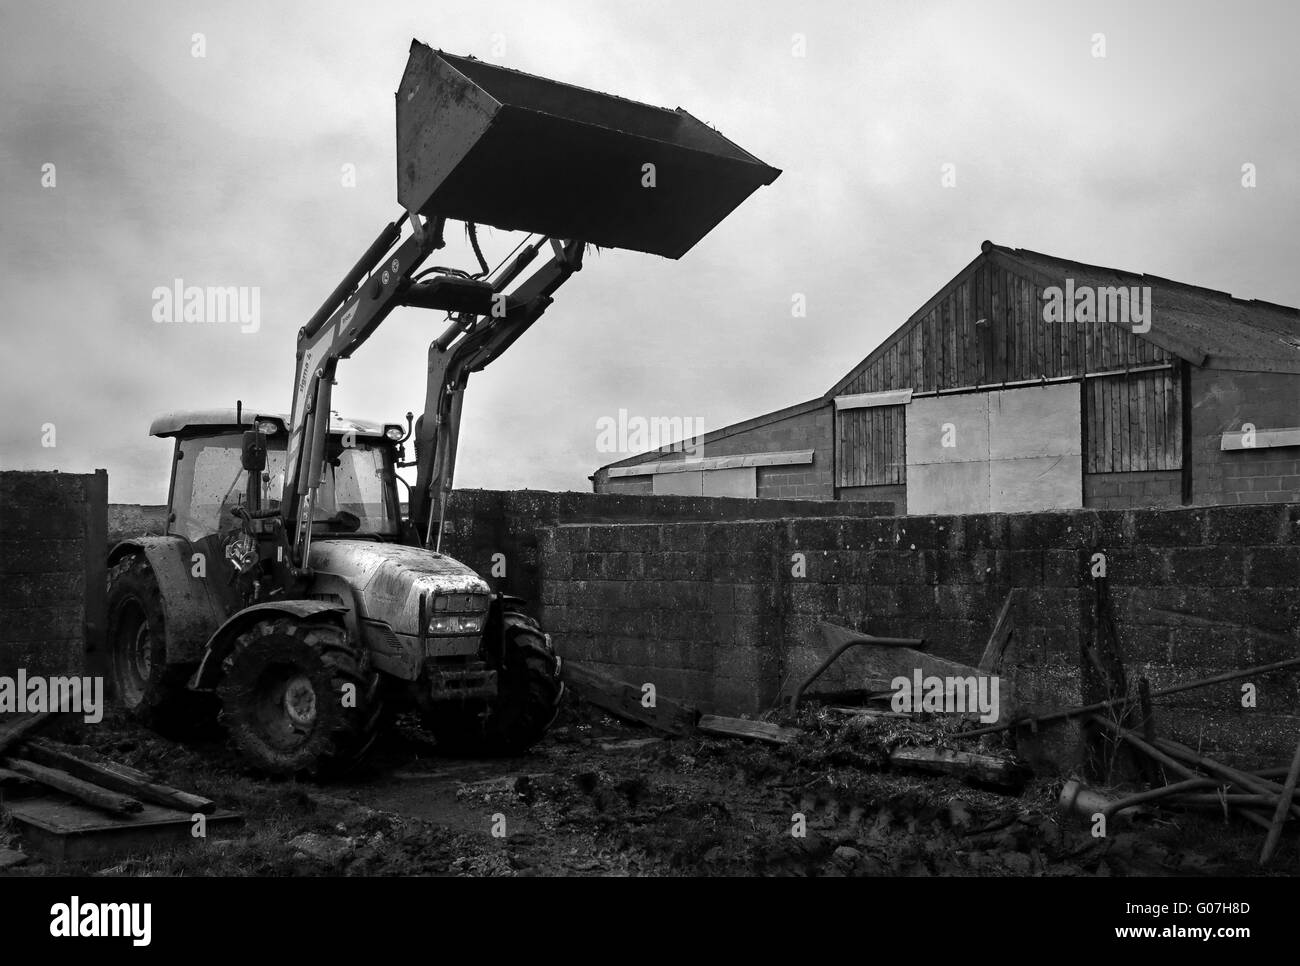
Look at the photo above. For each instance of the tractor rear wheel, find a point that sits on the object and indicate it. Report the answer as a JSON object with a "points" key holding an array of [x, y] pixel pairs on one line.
{"points": [[150, 690], [528, 699], [300, 697]]}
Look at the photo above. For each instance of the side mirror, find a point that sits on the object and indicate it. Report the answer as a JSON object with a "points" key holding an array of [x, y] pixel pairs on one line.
{"points": [[253, 456]]}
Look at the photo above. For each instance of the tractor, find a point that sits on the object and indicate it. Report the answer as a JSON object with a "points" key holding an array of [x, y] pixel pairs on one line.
{"points": [[295, 596]]}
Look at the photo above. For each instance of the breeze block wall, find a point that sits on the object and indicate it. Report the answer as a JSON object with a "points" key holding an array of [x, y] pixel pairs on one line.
{"points": [[482, 524], [1143, 488], [52, 572], [1222, 401], [712, 611]]}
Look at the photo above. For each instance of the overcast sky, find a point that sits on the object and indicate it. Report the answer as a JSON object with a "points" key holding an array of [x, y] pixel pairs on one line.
{"points": [[226, 170]]}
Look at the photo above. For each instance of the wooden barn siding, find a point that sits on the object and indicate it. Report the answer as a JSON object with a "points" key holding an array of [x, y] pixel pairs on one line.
{"points": [[944, 349], [1134, 423], [871, 447]]}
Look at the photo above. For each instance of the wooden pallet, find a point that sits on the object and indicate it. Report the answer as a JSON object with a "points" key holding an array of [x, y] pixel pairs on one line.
{"points": [[68, 831]]}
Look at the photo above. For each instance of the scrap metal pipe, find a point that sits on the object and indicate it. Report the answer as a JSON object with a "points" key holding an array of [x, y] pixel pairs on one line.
{"points": [[1177, 767], [1035, 720], [914, 642]]}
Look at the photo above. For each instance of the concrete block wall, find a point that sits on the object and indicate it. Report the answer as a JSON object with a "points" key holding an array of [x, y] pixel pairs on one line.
{"points": [[482, 524], [1118, 491], [713, 611], [52, 572], [1102, 491], [1222, 401], [894, 493]]}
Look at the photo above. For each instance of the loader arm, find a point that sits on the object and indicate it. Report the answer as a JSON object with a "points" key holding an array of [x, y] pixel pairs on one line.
{"points": [[486, 321], [468, 345]]}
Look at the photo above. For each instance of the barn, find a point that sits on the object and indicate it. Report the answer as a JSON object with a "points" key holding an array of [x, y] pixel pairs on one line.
{"points": [[1029, 382]]}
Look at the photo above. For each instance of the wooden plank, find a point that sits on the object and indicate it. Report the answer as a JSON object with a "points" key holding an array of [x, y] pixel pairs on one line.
{"points": [[1111, 452], [846, 462], [1134, 424], [1116, 426], [719, 726], [897, 418], [1003, 630], [623, 700], [15, 729], [1097, 434], [71, 832], [1147, 417], [1060, 354], [859, 465], [1158, 404], [1283, 807], [1027, 331], [950, 372], [1174, 432], [1096, 428], [1028, 323], [1140, 434], [927, 354], [963, 764], [1130, 403], [965, 338], [1175, 435], [1014, 327], [864, 441], [1001, 324], [936, 349], [1122, 422], [886, 448], [44, 753], [12, 778], [1043, 362], [82, 791], [879, 666], [918, 343], [1090, 348]]}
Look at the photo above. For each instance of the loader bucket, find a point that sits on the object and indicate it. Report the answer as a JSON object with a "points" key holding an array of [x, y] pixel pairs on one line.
{"points": [[481, 143]]}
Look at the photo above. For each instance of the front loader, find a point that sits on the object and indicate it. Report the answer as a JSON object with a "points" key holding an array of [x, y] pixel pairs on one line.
{"points": [[290, 595]]}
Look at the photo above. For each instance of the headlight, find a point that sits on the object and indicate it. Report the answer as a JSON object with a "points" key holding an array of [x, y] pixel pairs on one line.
{"points": [[394, 433], [457, 624], [268, 428]]}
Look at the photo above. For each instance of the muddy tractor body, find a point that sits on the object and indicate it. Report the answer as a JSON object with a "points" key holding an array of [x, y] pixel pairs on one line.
{"points": [[294, 595]]}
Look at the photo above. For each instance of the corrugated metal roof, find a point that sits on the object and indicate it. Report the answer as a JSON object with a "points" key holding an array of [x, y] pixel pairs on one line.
{"points": [[1208, 328]]}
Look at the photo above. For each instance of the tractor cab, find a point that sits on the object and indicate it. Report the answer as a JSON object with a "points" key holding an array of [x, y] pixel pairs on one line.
{"points": [[358, 496]]}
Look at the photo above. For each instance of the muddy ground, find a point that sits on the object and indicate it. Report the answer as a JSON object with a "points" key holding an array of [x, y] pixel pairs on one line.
{"points": [[599, 797]]}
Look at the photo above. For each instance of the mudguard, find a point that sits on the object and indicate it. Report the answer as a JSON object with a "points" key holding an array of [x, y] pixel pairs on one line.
{"points": [[191, 610], [209, 672]]}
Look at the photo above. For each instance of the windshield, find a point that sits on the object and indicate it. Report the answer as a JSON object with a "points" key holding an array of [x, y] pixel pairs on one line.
{"points": [[357, 494]]}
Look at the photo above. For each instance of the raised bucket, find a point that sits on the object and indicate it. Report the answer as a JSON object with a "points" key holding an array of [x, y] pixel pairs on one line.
{"points": [[482, 143]]}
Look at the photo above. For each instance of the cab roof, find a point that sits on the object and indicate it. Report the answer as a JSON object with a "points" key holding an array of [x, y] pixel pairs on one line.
{"points": [[180, 421]]}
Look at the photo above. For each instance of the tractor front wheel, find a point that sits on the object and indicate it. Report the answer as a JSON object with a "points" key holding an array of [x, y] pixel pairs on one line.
{"points": [[528, 699], [300, 697]]}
